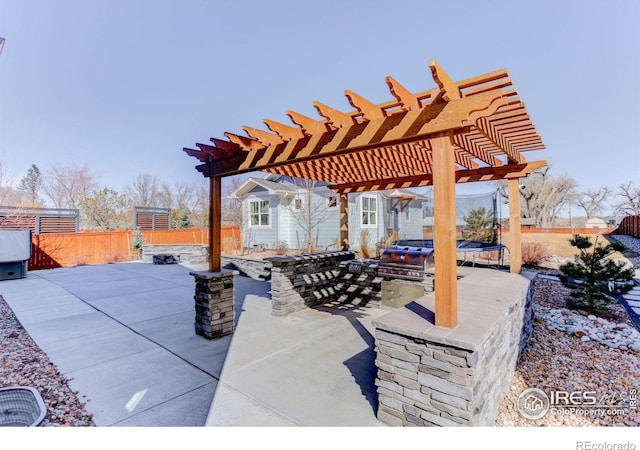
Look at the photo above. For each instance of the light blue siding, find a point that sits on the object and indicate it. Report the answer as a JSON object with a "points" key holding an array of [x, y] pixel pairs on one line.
{"points": [[262, 235], [285, 227]]}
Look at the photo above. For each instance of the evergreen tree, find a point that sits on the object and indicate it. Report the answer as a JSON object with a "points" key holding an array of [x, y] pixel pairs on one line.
{"points": [[593, 271], [138, 240], [182, 218], [31, 184], [479, 225]]}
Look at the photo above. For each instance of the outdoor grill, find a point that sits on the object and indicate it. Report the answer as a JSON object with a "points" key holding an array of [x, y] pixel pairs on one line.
{"points": [[407, 271], [407, 260]]}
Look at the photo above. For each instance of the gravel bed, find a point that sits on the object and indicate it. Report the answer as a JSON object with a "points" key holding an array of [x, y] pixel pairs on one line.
{"points": [[558, 361], [632, 255], [632, 244], [23, 363]]}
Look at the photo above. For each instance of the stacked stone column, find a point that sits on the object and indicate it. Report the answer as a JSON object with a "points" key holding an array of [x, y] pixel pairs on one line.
{"points": [[214, 304]]}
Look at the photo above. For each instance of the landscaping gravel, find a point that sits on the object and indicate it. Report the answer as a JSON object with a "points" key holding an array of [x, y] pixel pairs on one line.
{"points": [[23, 363], [557, 360]]}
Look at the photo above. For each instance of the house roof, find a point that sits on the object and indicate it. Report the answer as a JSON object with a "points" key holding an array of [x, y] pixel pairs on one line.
{"points": [[271, 186], [404, 194]]}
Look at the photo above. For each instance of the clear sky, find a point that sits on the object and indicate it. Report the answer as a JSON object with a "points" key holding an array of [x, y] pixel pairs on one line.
{"points": [[124, 85]]}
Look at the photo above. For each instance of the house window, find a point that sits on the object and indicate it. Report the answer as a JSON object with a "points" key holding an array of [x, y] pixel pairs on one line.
{"points": [[297, 204], [332, 201], [407, 214], [259, 213], [369, 211]]}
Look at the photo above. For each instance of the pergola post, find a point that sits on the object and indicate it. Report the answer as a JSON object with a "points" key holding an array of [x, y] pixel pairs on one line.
{"points": [[444, 239], [215, 223], [515, 251], [344, 218]]}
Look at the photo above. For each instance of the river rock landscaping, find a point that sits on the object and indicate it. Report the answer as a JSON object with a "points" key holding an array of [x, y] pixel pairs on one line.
{"points": [[576, 352]]}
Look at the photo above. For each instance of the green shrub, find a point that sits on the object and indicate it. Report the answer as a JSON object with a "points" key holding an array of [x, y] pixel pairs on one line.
{"points": [[138, 240]]}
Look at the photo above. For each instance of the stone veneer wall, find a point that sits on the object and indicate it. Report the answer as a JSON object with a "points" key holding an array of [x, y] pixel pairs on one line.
{"points": [[434, 377], [302, 281], [258, 269], [214, 305], [359, 287], [194, 254]]}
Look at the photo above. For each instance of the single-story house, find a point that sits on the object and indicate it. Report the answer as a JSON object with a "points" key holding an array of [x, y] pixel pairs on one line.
{"points": [[281, 210], [596, 222]]}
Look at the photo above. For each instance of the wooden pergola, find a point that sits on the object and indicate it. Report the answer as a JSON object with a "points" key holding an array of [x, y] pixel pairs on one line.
{"points": [[471, 130]]}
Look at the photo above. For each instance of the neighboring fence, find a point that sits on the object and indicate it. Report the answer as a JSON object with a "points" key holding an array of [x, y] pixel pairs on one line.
{"points": [[74, 249], [152, 218], [630, 226], [39, 220]]}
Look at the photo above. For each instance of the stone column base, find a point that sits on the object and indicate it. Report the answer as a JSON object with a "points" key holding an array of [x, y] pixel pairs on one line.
{"points": [[214, 304]]}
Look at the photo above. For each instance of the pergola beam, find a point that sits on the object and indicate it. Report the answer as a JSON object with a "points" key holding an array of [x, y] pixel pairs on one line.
{"points": [[461, 176]]}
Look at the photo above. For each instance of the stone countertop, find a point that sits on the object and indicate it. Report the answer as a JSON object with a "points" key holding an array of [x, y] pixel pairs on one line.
{"points": [[483, 296]]}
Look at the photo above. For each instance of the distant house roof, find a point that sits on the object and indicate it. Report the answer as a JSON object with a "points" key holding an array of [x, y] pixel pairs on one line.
{"points": [[404, 194], [251, 183]]}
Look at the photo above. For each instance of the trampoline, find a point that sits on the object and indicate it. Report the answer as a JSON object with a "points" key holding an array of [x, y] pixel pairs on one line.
{"points": [[463, 246]]}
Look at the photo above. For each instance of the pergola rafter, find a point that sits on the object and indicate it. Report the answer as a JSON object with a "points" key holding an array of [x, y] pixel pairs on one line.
{"points": [[471, 130]]}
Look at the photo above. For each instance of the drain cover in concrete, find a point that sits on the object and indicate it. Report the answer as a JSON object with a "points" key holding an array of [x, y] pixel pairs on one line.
{"points": [[21, 407]]}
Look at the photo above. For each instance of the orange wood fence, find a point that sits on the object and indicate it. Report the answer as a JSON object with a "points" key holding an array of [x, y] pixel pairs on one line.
{"points": [[73, 249], [535, 230], [630, 226]]}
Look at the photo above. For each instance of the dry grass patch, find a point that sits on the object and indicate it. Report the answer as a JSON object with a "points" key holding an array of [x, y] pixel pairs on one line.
{"points": [[557, 244]]}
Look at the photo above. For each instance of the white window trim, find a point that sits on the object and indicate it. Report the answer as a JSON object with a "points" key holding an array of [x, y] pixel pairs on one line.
{"points": [[369, 225], [268, 213], [407, 214]]}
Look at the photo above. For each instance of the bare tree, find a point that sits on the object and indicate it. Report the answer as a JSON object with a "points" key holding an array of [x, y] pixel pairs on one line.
{"points": [[181, 198], [629, 204], [592, 201], [144, 191], [543, 195], [67, 186], [177, 195], [11, 202], [308, 209], [232, 211], [8, 195], [200, 210]]}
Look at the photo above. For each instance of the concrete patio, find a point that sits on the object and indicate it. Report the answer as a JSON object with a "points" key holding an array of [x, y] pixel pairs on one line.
{"points": [[124, 334]]}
